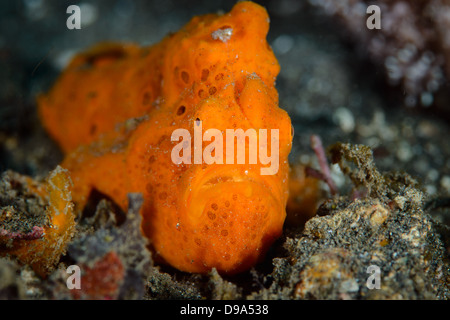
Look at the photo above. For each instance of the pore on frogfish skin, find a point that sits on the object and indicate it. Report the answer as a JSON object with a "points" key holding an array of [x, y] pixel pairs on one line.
{"points": [[114, 111]]}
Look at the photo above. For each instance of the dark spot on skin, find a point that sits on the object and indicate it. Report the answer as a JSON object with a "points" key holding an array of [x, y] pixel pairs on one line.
{"points": [[93, 129], [109, 53], [146, 98], [212, 90], [205, 74], [185, 77], [181, 110]]}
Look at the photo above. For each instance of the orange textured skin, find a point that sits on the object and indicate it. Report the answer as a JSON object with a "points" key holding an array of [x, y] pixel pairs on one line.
{"points": [[43, 254], [113, 112]]}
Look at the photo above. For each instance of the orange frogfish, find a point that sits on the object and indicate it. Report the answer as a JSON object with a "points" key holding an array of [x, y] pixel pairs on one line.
{"points": [[117, 112]]}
